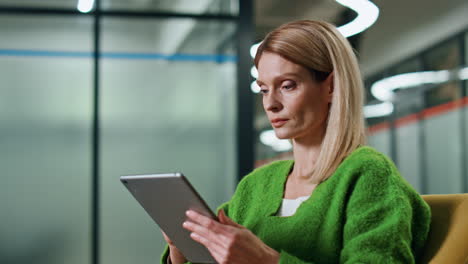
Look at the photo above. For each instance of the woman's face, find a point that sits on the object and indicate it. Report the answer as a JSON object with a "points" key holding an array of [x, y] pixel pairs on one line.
{"points": [[296, 105]]}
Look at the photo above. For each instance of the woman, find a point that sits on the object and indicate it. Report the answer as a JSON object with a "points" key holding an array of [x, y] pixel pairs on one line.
{"points": [[338, 201]]}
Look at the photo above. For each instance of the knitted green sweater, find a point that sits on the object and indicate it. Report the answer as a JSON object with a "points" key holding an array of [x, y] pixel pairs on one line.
{"points": [[364, 213]]}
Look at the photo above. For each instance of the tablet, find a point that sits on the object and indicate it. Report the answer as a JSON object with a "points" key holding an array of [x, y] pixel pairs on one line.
{"points": [[166, 198]]}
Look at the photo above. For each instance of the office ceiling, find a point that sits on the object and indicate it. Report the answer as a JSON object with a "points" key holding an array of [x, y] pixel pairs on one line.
{"points": [[269, 14]]}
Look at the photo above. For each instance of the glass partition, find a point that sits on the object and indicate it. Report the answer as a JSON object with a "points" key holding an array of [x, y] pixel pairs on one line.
{"points": [[408, 105], [168, 101], [229, 7], [442, 114], [465, 108], [45, 139], [42, 3]]}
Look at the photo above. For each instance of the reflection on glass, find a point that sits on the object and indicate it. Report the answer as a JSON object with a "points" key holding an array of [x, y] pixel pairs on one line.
{"points": [[408, 101], [466, 65], [146, 38], [179, 6], [444, 57], [42, 3], [226, 7]]}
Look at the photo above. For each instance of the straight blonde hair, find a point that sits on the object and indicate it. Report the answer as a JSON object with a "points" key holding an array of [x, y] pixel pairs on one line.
{"points": [[320, 48]]}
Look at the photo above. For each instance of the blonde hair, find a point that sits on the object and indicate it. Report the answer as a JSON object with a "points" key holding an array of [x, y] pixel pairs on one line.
{"points": [[319, 47]]}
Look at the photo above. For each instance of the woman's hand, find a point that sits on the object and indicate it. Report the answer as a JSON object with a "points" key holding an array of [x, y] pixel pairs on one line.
{"points": [[175, 255], [227, 241]]}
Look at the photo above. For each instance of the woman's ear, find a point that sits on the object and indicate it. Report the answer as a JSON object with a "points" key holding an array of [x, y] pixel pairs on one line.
{"points": [[329, 86]]}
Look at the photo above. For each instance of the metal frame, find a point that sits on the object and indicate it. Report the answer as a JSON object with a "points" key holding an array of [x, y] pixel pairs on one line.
{"points": [[244, 123], [422, 145], [245, 102], [462, 38], [96, 206]]}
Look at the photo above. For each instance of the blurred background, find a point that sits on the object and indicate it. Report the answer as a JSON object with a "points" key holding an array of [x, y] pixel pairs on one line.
{"points": [[92, 90]]}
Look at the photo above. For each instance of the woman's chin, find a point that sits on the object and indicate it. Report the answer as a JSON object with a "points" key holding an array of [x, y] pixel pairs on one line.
{"points": [[280, 135]]}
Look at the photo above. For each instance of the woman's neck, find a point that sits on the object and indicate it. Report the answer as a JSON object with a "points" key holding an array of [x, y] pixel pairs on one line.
{"points": [[306, 152]]}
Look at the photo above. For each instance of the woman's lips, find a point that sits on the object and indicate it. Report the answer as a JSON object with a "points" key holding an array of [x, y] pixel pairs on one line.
{"points": [[278, 122]]}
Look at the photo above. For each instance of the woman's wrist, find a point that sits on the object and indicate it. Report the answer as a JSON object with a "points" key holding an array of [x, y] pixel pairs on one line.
{"points": [[175, 256]]}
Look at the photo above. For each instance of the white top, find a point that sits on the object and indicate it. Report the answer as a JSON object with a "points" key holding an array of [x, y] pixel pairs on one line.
{"points": [[289, 206]]}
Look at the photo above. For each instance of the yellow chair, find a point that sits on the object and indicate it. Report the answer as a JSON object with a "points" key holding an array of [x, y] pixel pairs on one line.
{"points": [[448, 237]]}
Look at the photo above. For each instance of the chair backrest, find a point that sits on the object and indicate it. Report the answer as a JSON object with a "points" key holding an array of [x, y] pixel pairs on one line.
{"points": [[448, 236]]}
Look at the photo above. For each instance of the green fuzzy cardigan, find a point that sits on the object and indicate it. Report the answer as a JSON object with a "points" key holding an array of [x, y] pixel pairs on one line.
{"points": [[364, 213]]}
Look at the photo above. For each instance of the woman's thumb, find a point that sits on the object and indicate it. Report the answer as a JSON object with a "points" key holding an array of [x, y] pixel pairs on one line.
{"points": [[223, 219]]}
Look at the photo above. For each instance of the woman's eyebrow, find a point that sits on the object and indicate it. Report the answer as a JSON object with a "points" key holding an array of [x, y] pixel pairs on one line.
{"points": [[281, 77]]}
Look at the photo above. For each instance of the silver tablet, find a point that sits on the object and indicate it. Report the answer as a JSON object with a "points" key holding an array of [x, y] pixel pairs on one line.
{"points": [[166, 198]]}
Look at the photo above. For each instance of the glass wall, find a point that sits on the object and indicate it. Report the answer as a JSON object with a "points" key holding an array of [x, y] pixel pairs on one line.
{"points": [[227, 7], [167, 103], [162, 115], [408, 128], [45, 139], [430, 121], [443, 153]]}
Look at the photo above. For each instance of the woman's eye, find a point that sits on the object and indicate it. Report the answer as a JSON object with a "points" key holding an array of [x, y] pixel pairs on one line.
{"points": [[288, 85], [263, 91]]}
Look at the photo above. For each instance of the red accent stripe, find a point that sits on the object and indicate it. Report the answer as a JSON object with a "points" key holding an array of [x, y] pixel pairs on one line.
{"points": [[465, 101], [442, 109], [425, 114], [378, 127], [406, 120]]}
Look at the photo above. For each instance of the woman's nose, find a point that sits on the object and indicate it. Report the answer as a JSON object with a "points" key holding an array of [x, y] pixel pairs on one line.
{"points": [[271, 103]]}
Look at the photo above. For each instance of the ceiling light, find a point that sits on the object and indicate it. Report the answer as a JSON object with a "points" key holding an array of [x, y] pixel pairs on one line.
{"points": [[367, 14], [269, 138], [463, 73], [254, 72], [84, 6], [378, 110], [383, 89], [253, 49], [254, 87]]}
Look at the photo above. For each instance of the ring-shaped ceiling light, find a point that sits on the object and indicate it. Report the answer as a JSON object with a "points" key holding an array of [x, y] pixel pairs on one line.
{"points": [[383, 89], [367, 14], [84, 6], [377, 110], [269, 138]]}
